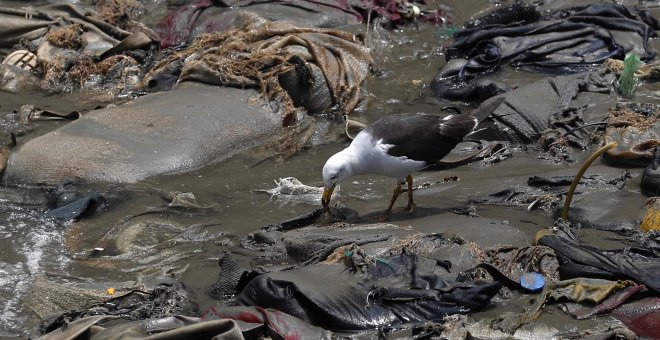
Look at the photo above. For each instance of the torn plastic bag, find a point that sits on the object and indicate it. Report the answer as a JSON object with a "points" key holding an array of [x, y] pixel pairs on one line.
{"points": [[584, 260], [402, 289]]}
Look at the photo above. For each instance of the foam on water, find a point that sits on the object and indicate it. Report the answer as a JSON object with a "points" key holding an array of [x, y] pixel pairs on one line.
{"points": [[37, 246]]}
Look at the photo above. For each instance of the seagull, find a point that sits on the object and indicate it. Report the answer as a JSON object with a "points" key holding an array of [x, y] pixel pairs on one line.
{"points": [[396, 146]]}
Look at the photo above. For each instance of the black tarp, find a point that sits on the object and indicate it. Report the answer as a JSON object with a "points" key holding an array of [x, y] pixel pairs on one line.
{"points": [[396, 290], [562, 42]]}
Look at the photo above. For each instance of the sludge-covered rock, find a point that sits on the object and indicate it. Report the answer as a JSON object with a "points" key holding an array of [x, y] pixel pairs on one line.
{"points": [[651, 177], [152, 136]]}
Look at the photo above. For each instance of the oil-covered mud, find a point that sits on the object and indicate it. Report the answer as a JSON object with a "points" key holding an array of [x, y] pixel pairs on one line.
{"points": [[179, 225]]}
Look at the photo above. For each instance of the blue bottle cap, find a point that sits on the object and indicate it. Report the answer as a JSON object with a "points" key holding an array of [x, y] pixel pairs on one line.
{"points": [[532, 282]]}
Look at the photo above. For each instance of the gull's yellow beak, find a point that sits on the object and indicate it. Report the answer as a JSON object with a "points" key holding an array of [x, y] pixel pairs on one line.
{"points": [[327, 193]]}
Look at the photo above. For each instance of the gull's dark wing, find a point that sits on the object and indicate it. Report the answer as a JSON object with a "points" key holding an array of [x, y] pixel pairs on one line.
{"points": [[421, 137]]}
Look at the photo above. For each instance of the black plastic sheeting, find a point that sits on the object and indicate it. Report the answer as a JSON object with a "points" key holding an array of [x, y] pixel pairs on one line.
{"points": [[563, 42], [584, 260], [77, 208], [397, 290]]}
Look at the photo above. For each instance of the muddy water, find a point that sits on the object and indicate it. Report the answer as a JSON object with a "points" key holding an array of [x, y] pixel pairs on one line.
{"points": [[233, 197]]}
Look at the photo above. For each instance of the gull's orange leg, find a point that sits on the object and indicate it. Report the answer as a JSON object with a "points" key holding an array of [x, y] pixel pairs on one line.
{"points": [[411, 205], [395, 195]]}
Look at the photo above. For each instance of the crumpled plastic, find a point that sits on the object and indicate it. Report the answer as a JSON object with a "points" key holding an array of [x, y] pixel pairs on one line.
{"points": [[270, 322], [651, 220], [57, 304], [585, 289], [400, 289], [292, 190], [512, 262], [35, 22]]}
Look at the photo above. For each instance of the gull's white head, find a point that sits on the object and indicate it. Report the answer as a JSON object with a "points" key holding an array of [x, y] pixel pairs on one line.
{"points": [[336, 169]]}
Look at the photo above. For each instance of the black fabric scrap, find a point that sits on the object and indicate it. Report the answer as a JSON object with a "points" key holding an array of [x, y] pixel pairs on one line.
{"points": [[585, 260], [402, 289]]}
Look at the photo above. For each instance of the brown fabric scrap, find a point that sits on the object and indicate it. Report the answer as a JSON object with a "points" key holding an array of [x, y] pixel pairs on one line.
{"points": [[256, 54]]}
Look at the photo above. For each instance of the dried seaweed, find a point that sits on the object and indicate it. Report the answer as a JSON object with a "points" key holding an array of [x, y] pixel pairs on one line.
{"points": [[69, 37], [120, 13]]}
